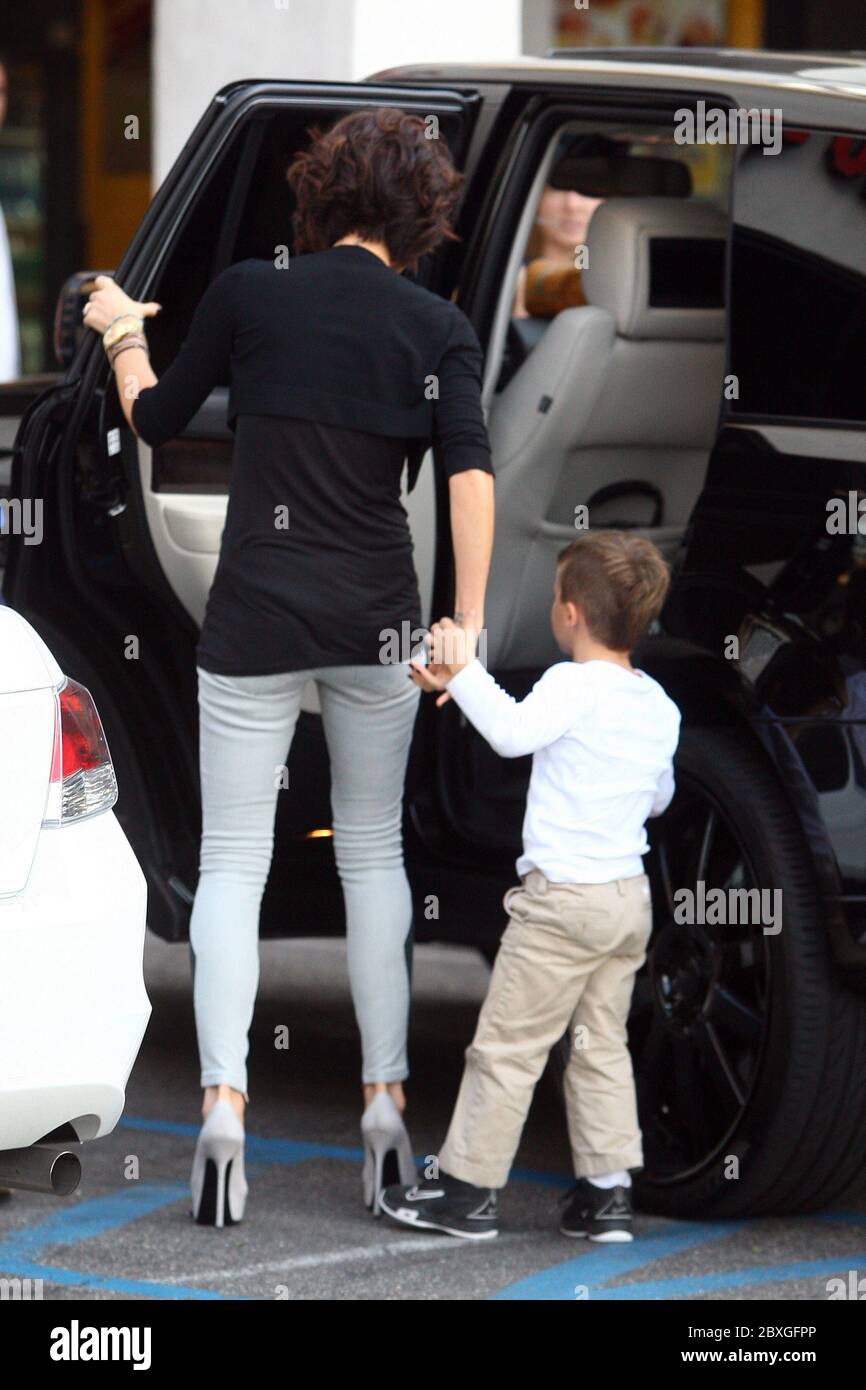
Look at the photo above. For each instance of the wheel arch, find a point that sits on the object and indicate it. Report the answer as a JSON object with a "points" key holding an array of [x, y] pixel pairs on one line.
{"points": [[710, 691]]}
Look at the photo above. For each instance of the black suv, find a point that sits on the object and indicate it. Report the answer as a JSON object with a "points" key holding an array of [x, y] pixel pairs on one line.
{"points": [[710, 393]]}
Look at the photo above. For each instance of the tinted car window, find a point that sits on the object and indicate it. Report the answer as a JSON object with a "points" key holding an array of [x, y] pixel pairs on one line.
{"points": [[798, 291], [264, 222]]}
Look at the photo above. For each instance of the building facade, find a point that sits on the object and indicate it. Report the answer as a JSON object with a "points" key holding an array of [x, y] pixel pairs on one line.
{"points": [[103, 93]]}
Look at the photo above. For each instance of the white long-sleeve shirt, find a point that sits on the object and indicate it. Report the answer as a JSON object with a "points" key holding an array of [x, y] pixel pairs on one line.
{"points": [[602, 740]]}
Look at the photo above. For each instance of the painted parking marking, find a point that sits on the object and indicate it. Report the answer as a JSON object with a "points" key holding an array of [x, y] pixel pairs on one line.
{"points": [[86, 1220], [94, 1217], [595, 1269], [417, 1245], [259, 1149], [747, 1277], [19, 1251], [605, 1262]]}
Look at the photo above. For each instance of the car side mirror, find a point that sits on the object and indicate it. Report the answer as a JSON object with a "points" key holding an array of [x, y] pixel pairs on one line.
{"points": [[68, 326]]}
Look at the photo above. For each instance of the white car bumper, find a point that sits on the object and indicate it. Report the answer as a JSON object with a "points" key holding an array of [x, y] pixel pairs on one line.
{"points": [[73, 1007]]}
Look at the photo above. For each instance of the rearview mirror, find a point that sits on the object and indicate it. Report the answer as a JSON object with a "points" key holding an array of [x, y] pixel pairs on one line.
{"points": [[68, 327], [622, 176]]}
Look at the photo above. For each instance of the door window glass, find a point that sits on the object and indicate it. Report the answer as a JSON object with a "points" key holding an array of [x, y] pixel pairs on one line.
{"points": [[264, 220], [798, 287]]}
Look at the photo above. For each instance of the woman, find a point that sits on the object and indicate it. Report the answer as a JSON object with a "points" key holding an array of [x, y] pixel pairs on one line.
{"points": [[549, 281], [339, 368]]}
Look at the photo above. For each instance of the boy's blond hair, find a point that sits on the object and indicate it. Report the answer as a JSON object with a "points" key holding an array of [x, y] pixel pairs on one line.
{"points": [[618, 580]]}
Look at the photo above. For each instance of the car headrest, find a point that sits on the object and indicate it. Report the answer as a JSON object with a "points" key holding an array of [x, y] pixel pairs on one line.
{"points": [[658, 266]]}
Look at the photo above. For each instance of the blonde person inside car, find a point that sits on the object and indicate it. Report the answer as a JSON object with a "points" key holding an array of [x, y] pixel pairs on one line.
{"points": [[329, 362], [550, 279], [602, 735]]}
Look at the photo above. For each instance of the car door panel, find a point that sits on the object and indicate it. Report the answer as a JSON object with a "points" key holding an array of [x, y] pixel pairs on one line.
{"points": [[786, 592]]}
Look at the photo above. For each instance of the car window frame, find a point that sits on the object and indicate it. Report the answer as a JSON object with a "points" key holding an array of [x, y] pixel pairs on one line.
{"points": [[517, 182], [781, 425]]}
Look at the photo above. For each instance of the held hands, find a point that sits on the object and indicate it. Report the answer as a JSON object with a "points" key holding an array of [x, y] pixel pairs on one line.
{"points": [[450, 647], [108, 302]]}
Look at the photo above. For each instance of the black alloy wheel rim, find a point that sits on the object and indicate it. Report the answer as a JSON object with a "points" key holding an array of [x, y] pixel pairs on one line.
{"points": [[700, 1010]]}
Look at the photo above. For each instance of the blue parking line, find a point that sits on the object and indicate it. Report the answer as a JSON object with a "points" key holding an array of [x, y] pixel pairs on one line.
{"points": [[259, 1149], [844, 1218], [604, 1262], [594, 1270], [144, 1288], [20, 1249], [734, 1278], [94, 1217], [545, 1179]]}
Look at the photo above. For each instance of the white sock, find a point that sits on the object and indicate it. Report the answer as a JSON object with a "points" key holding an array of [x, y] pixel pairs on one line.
{"points": [[618, 1179]]}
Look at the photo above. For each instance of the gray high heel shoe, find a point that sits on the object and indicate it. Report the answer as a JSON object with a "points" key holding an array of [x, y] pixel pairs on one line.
{"points": [[218, 1182], [387, 1151]]}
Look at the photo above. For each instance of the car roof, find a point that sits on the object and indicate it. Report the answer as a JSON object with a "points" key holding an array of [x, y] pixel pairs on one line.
{"points": [[816, 75]]}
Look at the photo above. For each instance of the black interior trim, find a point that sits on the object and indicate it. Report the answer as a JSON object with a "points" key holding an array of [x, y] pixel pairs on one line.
{"points": [[228, 236], [630, 487], [210, 420]]}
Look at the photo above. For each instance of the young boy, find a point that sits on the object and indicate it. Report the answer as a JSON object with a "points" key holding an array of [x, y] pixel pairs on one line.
{"points": [[603, 737]]}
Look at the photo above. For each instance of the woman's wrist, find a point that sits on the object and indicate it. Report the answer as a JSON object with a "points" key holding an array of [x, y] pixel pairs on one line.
{"points": [[127, 314], [125, 344], [121, 326]]}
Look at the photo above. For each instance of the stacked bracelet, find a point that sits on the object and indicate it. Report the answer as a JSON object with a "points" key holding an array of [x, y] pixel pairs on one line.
{"points": [[121, 326], [129, 340], [117, 318]]}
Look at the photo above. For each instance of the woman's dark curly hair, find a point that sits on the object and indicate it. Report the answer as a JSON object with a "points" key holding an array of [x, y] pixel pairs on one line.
{"points": [[377, 174]]}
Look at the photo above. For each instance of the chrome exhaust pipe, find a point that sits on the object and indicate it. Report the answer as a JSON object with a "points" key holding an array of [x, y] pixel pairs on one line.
{"points": [[40, 1168]]}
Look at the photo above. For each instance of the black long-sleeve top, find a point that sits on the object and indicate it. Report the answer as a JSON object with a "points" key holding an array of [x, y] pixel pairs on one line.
{"points": [[339, 371]]}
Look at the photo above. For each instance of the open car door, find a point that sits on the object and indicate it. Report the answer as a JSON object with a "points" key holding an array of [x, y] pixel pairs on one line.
{"points": [[132, 535]]}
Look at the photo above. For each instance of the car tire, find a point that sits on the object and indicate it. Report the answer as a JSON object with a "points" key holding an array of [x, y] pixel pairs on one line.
{"points": [[785, 1033]]}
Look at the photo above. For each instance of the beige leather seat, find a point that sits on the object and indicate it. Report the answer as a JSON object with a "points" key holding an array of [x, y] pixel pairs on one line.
{"points": [[627, 388]]}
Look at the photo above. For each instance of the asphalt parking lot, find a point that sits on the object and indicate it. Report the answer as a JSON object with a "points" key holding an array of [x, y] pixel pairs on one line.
{"points": [[127, 1233]]}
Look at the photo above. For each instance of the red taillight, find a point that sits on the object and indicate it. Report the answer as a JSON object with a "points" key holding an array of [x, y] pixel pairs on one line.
{"points": [[82, 780], [84, 743]]}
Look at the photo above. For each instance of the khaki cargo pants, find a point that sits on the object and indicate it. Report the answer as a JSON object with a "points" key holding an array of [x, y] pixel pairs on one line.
{"points": [[568, 960]]}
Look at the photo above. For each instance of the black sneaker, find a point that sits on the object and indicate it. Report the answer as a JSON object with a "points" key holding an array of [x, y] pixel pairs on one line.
{"points": [[602, 1213], [444, 1204]]}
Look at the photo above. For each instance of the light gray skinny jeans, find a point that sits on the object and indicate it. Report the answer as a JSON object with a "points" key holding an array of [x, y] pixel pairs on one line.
{"points": [[246, 725]]}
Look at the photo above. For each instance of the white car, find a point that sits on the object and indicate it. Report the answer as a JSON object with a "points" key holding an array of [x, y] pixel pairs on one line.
{"points": [[73, 1006]]}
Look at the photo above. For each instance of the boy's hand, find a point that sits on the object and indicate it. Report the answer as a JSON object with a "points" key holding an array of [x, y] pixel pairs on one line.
{"points": [[431, 679], [451, 648]]}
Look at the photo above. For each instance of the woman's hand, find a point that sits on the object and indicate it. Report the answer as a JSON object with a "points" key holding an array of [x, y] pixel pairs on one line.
{"points": [[108, 301]]}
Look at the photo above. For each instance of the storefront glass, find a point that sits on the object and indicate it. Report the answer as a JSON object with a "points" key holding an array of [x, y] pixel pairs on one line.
{"points": [[624, 23]]}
